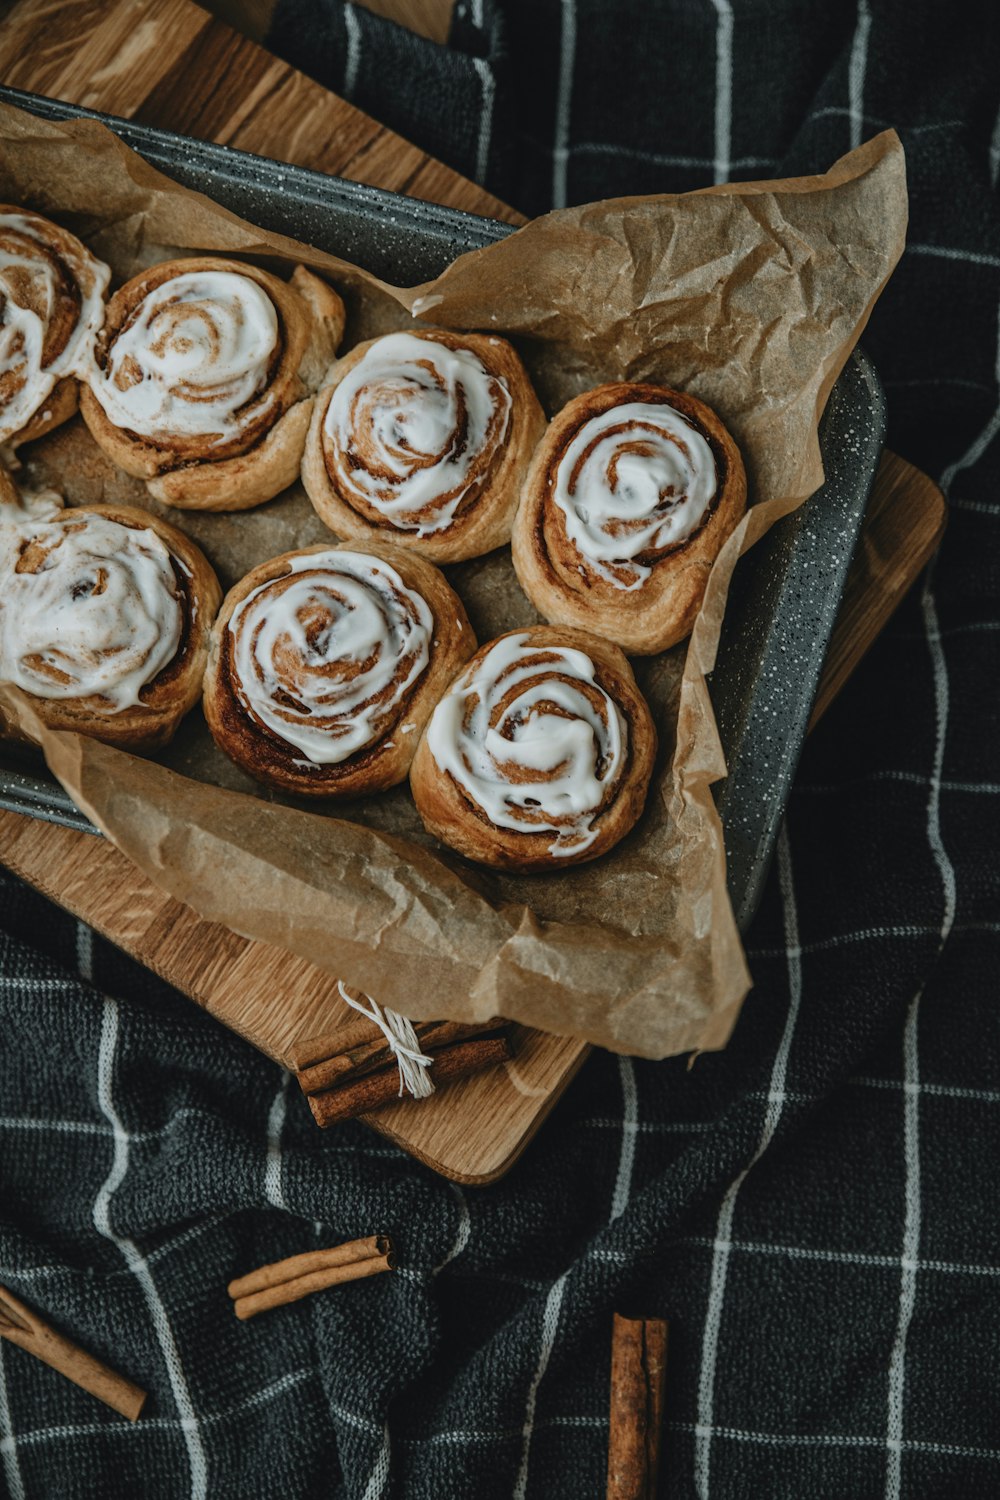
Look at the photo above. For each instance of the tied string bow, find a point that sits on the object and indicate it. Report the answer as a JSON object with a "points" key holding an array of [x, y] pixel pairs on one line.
{"points": [[414, 1065]]}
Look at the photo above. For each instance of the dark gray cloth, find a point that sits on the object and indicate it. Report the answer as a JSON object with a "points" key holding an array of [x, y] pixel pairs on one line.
{"points": [[813, 1209]]}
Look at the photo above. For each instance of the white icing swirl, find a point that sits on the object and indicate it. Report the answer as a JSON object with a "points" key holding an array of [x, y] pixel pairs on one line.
{"points": [[195, 352], [637, 478], [326, 654], [533, 740], [46, 277], [88, 608], [411, 428]]}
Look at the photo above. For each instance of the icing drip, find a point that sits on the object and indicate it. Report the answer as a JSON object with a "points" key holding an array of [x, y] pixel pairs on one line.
{"points": [[88, 608], [412, 428], [533, 740], [325, 656], [51, 308], [636, 479], [195, 352]]}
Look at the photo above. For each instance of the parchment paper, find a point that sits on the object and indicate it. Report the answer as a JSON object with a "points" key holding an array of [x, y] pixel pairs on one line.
{"points": [[750, 296]]}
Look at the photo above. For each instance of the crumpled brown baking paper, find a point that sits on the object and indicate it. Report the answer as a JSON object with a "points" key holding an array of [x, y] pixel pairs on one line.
{"points": [[751, 296]]}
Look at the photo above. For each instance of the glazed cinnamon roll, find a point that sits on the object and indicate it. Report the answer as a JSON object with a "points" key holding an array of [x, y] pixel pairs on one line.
{"points": [[203, 379], [104, 619], [325, 665], [423, 439], [630, 496], [540, 754], [51, 308]]}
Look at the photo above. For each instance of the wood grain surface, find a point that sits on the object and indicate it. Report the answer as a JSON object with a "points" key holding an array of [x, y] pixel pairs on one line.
{"points": [[169, 63]]}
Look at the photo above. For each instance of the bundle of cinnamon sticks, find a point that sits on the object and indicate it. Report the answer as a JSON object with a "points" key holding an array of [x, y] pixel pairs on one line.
{"points": [[354, 1071]]}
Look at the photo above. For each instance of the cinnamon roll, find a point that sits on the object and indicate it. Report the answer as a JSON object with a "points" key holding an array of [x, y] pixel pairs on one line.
{"points": [[104, 619], [540, 754], [51, 308], [203, 379], [423, 439], [325, 664], [629, 498]]}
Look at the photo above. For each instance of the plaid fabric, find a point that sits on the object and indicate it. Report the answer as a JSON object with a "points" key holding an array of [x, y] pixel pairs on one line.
{"points": [[814, 1209]]}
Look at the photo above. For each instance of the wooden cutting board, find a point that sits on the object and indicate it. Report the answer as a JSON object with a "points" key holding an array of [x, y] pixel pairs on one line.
{"points": [[168, 63]]}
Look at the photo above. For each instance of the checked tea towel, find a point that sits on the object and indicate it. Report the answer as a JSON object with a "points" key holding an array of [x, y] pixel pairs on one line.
{"points": [[814, 1209]]}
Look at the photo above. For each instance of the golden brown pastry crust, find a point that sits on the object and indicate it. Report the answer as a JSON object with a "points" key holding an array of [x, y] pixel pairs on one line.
{"points": [[452, 815], [567, 590], [79, 281], [175, 690], [260, 751], [485, 515], [265, 455]]}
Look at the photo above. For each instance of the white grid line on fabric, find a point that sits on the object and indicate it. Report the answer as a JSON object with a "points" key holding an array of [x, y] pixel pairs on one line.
{"points": [[659, 159], [912, 778], [995, 152], [952, 252], [468, 1435], [40, 1436], [629, 1126], [550, 1327], [355, 1419], [776, 1099], [975, 507], [352, 59], [647, 1127], [911, 1058], [842, 110], [34, 983], [133, 1256], [856, 69], [8, 1438], [379, 1477], [273, 1165], [861, 1258], [462, 1233], [865, 934], [488, 86], [564, 98], [38, 1273], [937, 380], [723, 122], [838, 1440], [68, 1127], [970, 627], [943, 1090]]}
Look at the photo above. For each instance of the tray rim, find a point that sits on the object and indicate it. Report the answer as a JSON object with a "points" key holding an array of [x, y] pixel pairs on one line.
{"points": [[40, 796]]}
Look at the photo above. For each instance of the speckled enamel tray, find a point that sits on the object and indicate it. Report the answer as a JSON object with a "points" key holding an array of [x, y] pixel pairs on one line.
{"points": [[785, 593]]}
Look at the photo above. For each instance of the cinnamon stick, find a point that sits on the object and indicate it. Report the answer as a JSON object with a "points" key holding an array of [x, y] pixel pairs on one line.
{"points": [[638, 1370], [360, 1096], [314, 1049], [20, 1326], [303, 1286], [294, 1266], [333, 1070]]}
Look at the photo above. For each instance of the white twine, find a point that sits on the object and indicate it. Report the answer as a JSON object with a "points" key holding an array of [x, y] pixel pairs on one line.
{"points": [[414, 1065]]}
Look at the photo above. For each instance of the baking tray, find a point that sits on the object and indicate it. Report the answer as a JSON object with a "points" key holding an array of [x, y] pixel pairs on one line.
{"points": [[785, 593]]}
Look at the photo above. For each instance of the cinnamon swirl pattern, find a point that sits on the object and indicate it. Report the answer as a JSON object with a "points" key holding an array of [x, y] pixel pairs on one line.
{"points": [[326, 663], [540, 754], [628, 501], [51, 308], [423, 439], [104, 621], [203, 379]]}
